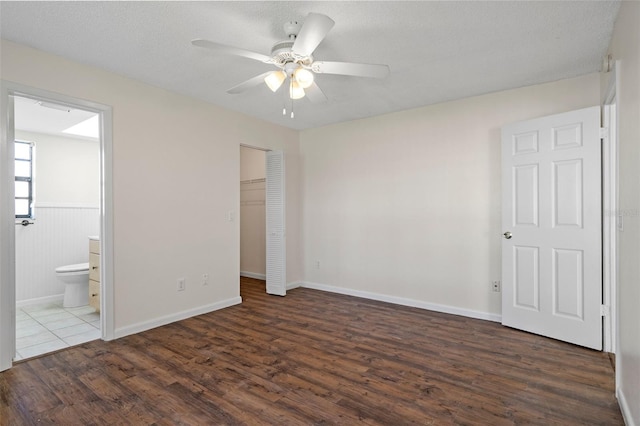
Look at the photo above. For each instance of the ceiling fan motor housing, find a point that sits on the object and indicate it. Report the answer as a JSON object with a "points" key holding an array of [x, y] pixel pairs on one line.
{"points": [[281, 55]]}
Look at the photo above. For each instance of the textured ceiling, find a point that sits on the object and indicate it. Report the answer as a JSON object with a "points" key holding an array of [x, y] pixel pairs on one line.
{"points": [[437, 51]]}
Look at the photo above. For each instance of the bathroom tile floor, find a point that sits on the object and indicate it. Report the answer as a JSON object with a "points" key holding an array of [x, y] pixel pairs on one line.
{"points": [[48, 327]]}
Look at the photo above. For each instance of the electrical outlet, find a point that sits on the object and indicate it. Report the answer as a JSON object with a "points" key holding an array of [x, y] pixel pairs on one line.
{"points": [[205, 279], [495, 286], [182, 284], [317, 264]]}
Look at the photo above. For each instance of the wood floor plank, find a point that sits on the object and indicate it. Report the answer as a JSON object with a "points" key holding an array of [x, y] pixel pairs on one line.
{"points": [[315, 358]]}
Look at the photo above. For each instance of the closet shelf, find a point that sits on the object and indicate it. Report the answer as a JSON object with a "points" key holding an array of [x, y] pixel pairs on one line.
{"points": [[250, 181]]}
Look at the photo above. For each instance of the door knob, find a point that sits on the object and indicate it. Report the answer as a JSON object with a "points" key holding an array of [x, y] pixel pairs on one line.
{"points": [[507, 235]]}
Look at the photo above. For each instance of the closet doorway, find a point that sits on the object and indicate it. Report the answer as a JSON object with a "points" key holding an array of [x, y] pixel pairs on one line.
{"points": [[253, 242], [262, 218]]}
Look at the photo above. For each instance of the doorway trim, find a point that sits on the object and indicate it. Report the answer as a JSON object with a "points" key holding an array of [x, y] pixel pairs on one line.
{"points": [[612, 220], [8, 90]]}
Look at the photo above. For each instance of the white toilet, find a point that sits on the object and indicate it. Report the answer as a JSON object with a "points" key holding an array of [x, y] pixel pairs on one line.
{"points": [[76, 278]]}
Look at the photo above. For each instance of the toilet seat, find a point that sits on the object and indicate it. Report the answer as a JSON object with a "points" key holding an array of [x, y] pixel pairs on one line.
{"points": [[77, 268]]}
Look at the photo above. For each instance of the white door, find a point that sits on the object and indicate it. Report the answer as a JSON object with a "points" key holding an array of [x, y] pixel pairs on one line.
{"points": [[276, 242], [551, 217]]}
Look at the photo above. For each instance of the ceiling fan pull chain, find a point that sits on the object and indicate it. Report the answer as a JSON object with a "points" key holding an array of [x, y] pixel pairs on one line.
{"points": [[292, 115], [284, 102]]}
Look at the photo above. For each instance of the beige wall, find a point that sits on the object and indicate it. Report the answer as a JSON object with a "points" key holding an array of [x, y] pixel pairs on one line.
{"points": [[625, 47], [252, 213], [176, 163], [408, 204], [252, 163], [67, 169]]}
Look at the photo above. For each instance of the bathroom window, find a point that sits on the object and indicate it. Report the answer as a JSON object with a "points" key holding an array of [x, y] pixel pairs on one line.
{"points": [[24, 179]]}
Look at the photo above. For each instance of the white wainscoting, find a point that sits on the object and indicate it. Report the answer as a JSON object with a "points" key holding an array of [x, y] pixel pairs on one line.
{"points": [[58, 237]]}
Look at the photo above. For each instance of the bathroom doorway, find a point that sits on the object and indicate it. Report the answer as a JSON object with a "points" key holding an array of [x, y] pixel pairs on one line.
{"points": [[57, 207], [56, 214]]}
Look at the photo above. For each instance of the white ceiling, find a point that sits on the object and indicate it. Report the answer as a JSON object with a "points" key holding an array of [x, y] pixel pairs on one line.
{"points": [[30, 116], [437, 51]]}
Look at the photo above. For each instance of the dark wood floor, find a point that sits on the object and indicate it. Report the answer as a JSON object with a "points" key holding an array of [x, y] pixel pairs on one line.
{"points": [[315, 358]]}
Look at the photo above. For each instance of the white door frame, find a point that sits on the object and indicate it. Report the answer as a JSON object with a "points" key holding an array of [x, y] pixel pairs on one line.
{"points": [[611, 219], [7, 215]]}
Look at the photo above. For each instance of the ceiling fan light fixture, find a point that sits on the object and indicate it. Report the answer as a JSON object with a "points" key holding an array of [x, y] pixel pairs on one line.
{"points": [[275, 80], [294, 60], [304, 77], [295, 90]]}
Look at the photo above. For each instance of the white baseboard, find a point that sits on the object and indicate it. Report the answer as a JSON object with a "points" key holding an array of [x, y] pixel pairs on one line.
{"points": [[178, 316], [294, 284], [40, 300], [253, 275], [625, 409], [290, 286], [406, 302]]}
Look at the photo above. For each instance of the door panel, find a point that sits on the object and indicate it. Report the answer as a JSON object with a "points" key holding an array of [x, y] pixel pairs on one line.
{"points": [[275, 227], [525, 195], [527, 282], [567, 192], [568, 282], [552, 262]]}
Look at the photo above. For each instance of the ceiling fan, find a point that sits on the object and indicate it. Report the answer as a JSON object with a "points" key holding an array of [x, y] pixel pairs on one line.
{"points": [[294, 59]]}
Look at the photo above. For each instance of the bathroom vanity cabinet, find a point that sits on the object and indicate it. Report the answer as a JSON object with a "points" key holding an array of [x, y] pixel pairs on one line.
{"points": [[94, 273]]}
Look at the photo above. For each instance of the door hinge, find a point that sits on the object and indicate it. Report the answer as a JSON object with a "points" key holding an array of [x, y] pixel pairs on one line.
{"points": [[605, 310], [604, 132]]}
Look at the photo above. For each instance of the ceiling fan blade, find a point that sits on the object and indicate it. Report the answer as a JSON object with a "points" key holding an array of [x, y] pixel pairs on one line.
{"points": [[314, 94], [230, 50], [252, 82], [313, 31], [349, 68]]}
